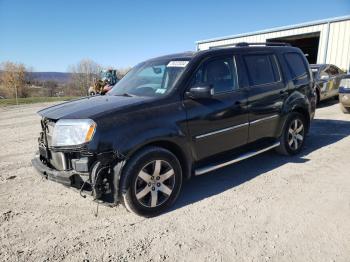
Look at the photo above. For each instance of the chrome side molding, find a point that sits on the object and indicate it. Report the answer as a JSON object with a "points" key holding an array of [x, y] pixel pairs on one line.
{"points": [[222, 130], [263, 119], [207, 169], [237, 126]]}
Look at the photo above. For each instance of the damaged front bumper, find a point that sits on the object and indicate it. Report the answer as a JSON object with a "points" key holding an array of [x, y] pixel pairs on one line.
{"points": [[99, 181], [78, 166], [67, 178]]}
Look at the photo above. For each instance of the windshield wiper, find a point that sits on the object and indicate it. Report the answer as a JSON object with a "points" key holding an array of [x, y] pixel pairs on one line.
{"points": [[126, 95]]}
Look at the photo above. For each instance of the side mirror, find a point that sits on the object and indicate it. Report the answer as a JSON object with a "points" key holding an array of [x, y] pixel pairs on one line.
{"points": [[197, 92]]}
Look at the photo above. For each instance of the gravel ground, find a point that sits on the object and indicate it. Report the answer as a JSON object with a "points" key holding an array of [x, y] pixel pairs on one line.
{"points": [[268, 208]]}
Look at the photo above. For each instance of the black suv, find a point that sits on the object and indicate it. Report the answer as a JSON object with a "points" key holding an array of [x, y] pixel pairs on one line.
{"points": [[177, 116]]}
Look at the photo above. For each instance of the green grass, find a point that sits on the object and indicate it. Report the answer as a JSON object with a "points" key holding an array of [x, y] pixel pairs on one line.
{"points": [[31, 100]]}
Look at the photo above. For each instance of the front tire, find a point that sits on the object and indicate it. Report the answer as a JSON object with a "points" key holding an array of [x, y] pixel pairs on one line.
{"points": [[345, 110], [293, 136], [151, 181]]}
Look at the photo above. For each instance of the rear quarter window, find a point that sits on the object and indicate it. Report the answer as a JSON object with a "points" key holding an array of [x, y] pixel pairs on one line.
{"points": [[296, 65]]}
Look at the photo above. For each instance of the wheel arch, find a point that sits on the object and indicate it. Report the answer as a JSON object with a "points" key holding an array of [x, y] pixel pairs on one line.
{"points": [[297, 102], [305, 113], [183, 157], [178, 152]]}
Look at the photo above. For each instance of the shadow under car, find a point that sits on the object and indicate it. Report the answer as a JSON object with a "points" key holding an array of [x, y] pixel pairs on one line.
{"points": [[323, 132]]}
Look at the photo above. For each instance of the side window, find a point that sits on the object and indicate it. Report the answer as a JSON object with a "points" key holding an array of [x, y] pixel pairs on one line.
{"points": [[329, 72], [219, 72], [333, 71], [324, 73], [296, 65], [262, 69]]}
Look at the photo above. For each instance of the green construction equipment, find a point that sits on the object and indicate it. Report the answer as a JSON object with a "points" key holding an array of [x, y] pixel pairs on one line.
{"points": [[107, 79]]}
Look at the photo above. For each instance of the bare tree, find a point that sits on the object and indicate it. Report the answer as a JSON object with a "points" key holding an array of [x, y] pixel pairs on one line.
{"points": [[13, 77], [121, 72], [83, 74]]}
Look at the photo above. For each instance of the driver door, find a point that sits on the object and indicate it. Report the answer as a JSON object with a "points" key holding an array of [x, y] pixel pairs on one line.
{"points": [[218, 123]]}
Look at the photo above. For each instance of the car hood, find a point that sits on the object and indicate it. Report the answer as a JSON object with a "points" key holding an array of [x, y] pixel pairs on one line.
{"points": [[89, 107]]}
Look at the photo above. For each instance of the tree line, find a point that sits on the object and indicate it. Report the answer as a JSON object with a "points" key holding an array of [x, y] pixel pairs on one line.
{"points": [[17, 80]]}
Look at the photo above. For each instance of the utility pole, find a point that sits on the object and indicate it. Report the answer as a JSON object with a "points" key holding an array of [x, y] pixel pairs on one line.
{"points": [[16, 94]]}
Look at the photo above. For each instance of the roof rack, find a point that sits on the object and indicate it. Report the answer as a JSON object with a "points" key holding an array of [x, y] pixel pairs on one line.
{"points": [[264, 44], [245, 44]]}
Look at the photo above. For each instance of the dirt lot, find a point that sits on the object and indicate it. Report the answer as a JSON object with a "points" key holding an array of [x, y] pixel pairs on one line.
{"points": [[268, 208]]}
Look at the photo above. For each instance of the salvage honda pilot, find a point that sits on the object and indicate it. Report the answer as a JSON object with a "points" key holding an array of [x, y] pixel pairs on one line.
{"points": [[178, 116]]}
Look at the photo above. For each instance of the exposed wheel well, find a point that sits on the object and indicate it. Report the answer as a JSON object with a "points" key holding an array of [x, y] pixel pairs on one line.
{"points": [[306, 115], [177, 151]]}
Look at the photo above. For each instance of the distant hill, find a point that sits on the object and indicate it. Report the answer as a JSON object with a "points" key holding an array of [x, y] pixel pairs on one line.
{"points": [[59, 77]]}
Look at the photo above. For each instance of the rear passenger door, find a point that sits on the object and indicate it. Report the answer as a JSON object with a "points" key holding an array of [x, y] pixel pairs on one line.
{"points": [[266, 94]]}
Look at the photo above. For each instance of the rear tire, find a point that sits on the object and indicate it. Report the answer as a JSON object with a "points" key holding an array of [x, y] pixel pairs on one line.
{"points": [[151, 181], [293, 135]]}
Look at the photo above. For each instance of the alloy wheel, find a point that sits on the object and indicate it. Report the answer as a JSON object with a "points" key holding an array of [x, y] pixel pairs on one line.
{"points": [[154, 183], [295, 134]]}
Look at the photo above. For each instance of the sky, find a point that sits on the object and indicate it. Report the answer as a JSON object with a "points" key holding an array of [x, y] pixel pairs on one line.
{"points": [[51, 35]]}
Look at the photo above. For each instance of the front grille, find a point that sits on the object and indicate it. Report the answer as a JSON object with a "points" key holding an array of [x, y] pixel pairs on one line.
{"points": [[49, 132], [47, 127], [58, 157], [55, 159]]}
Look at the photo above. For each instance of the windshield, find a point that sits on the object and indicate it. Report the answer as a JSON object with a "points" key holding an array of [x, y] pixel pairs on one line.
{"points": [[152, 78]]}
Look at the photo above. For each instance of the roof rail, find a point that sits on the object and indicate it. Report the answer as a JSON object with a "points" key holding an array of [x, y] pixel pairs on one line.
{"points": [[245, 44], [265, 44]]}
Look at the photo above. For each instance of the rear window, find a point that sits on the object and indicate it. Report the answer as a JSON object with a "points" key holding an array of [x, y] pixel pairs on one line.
{"points": [[296, 64], [262, 69]]}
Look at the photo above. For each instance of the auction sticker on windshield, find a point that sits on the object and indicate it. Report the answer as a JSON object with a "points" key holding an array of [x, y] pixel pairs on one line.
{"points": [[177, 64]]}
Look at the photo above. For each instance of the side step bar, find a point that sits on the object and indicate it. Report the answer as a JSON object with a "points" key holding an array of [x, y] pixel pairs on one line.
{"points": [[209, 168]]}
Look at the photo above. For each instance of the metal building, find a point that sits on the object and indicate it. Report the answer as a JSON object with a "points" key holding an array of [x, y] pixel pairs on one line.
{"points": [[324, 41]]}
